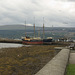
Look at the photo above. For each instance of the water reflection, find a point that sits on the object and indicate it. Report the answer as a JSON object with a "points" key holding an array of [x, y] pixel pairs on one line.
{"points": [[7, 45]]}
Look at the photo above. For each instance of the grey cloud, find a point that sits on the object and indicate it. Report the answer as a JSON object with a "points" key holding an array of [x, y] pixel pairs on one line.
{"points": [[66, 0], [71, 0], [18, 12]]}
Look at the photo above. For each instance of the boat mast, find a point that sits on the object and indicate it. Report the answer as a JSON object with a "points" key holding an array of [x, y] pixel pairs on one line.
{"points": [[39, 32], [34, 26], [43, 29], [25, 28]]}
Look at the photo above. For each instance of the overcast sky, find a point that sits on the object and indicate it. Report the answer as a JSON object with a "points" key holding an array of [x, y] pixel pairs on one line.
{"points": [[59, 13]]}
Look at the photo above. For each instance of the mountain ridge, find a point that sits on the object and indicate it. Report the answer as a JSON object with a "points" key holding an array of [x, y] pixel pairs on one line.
{"points": [[15, 27]]}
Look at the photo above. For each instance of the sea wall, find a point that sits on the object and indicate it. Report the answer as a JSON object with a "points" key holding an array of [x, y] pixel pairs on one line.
{"points": [[10, 41], [57, 65]]}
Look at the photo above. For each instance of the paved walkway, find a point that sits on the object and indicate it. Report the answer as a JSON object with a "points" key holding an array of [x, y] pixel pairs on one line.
{"points": [[57, 65], [72, 58]]}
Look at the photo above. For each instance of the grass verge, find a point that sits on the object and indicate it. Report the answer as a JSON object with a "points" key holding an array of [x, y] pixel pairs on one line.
{"points": [[71, 69]]}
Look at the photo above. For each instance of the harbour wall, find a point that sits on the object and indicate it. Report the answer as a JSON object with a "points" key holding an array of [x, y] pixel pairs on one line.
{"points": [[10, 41], [57, 66]]}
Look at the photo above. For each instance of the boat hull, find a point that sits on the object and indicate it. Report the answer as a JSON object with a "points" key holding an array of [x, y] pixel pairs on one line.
{"points": [[32, 42], [37, 42], [47, 41]]}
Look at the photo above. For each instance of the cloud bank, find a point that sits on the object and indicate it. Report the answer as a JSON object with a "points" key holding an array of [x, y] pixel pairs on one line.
{"points": [[55, 12]]}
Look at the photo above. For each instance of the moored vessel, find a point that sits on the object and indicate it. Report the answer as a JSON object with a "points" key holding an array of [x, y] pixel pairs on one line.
{"points": [[31, 41], [48, 40], [36, 40]]}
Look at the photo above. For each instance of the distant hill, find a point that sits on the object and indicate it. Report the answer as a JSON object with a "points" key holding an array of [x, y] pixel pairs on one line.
{"points": [[22, 27], [15, 27]]}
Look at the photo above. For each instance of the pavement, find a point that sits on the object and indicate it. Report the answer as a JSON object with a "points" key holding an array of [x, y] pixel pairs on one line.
{"points": [[72, 58], [57, 65]]}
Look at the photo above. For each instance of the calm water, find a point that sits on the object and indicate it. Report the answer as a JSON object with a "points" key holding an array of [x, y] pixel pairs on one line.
{"points": [[14, 34], [56, 33], [8, 45], [12, 45], [17, 34]]}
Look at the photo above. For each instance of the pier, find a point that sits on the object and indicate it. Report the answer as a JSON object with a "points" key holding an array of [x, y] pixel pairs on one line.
{"points": [[4, 40]]}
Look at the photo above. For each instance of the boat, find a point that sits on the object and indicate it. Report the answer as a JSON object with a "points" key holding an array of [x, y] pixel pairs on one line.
{"points": [[36, 40], [31, 41], [47, 40]]}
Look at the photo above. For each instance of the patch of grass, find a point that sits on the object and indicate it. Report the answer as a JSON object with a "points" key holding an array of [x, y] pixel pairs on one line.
{"points": [[71, 69]]}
